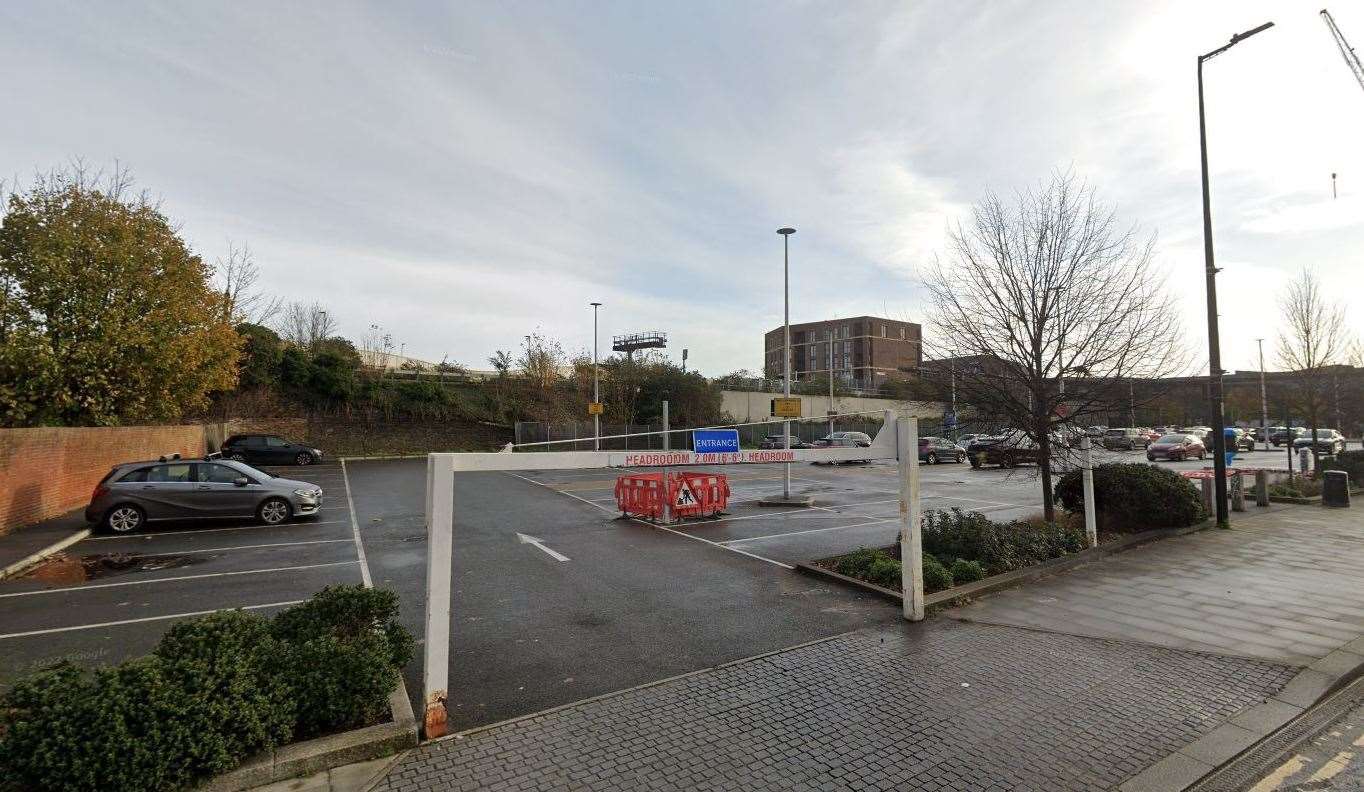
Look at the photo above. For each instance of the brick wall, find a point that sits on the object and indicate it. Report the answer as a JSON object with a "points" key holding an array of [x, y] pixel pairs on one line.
{"points": [[48, 472]]}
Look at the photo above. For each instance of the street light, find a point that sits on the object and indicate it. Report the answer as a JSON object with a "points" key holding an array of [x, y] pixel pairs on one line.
{"points": [[786, 356], [596, 383], [1219, 455]]}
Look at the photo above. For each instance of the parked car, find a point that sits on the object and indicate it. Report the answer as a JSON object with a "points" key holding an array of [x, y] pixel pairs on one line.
{"points": [[1096, 432], [1006, 450], [1285, 435], [967, 439], [1124, 439], [266, 449], [841, 440], [775, 441], [136, 493], [933, 450], [1329, 441], [1261, 435], [1177, 447], [1203, 433]]}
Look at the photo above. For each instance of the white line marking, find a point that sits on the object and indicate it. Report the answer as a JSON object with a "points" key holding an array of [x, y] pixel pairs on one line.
{"points": [[197, 531], [65, 589], [810, 531], [531, 540], [355, 531], [195, 550], [51, 630], [652, 525]]}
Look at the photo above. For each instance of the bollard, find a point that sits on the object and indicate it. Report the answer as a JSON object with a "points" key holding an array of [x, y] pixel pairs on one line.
{"points": [[1335, 488], [1206, 484], [1238, 492], [1262, 488]]}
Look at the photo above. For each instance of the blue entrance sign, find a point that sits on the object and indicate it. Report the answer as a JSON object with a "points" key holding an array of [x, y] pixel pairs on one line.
{"points": [[715, 441]]}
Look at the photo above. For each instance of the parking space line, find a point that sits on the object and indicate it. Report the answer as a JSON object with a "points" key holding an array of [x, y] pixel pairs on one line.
{"points": [[197, 531], [809, 531], [355, 531], [653, 525], [120, 622], [65, 589], [243, 547]]}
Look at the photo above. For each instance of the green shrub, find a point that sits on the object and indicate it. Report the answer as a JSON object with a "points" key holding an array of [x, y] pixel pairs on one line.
{"points": [[343, 655], [214, 691], [237, 697], [856, 563], [997, 547], [885, 572], [964, 571], [115, 729], [1135, 497], [936, 576]]}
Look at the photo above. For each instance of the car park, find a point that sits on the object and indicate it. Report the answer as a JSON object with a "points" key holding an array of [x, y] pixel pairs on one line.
{"points": [[773, 442], [135, 493], [933, 450], [1329, 441], [1124, 439], [1177, 447], [268, 449]]}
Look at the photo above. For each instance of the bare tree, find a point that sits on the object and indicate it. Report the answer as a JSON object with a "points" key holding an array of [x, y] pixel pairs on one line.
{"points": [[304, 325], [540, 362], [1313, 342], [1063, 307], [237, 275]]}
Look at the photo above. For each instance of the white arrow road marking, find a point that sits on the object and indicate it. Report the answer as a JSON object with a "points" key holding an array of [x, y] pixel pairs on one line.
{"points": [[531, 540]]}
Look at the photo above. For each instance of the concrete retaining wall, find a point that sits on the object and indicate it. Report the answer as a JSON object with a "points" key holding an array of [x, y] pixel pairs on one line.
{"points": [[755, 406]]}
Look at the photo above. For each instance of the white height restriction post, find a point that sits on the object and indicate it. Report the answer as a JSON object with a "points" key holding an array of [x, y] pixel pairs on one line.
{"points": [[1087, 476], [896, 440]]}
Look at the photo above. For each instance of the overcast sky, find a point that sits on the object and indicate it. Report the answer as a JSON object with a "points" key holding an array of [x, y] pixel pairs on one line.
{"points": [[463, 174]]}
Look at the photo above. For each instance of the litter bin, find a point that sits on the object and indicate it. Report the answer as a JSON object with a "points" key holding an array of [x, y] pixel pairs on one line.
{"points": [[1335, 488]]}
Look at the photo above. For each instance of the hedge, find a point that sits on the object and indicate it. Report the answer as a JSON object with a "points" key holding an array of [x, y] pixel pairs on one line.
{"points": [[1135, 497], [214, 691], [997, 547], [1352, 462]]}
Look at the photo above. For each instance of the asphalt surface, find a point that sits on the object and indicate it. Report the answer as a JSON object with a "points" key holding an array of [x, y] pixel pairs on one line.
{"points": [[109, 598], [632, 604]]}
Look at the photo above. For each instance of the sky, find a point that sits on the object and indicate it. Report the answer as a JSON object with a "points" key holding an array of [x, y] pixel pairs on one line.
{"points": [[463, 174]]}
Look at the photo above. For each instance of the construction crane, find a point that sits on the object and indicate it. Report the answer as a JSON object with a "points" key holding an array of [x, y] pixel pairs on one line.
{"points": [[1346, 51]]}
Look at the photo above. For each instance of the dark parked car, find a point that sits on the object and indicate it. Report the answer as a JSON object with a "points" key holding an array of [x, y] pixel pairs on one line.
{"points": [[1006, 450], [1284, 435], [264, 449], [1126, 439], [841, 440], [933, 450], [1176, 447], [1329, 441], [135, 493], [774, 441]]}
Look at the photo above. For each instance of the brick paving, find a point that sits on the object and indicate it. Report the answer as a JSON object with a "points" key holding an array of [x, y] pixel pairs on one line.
{"points": [[937, 706], [1280, 585]]}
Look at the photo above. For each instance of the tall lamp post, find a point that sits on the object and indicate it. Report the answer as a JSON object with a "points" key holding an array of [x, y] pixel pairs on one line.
{"points": [[786, 350], [1264, 401], [596, 383], [1219, 458]]}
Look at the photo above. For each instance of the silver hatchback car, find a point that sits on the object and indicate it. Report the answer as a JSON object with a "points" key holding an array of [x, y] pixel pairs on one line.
{"points": [[136, 493]]}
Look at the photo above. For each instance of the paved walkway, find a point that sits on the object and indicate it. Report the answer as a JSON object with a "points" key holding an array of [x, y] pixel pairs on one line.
{"points": [[940, 706], [19, 544], [1143, 671], [1282, 586]]}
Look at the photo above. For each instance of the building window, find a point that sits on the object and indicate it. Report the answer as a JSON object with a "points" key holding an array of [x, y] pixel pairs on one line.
{"points": [[902, 334], [883, 331]]}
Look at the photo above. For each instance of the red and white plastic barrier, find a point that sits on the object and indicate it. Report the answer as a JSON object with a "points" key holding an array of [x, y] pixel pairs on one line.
{"points": [[688, 494]]}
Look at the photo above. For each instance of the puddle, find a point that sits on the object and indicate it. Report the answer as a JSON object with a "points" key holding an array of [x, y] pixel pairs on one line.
{"points": [[63, 568]]}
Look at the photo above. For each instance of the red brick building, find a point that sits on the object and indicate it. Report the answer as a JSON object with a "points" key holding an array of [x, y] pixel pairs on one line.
{"points": [[862, 351]]}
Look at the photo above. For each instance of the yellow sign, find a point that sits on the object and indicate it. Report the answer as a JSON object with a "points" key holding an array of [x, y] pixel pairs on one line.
{"points": [[786, 407], [595, 408]]}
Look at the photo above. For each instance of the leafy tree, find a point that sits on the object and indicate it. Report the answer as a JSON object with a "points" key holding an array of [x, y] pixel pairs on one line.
{"points": [[342, 348], [262, 350], [106, 316], [332, 377]]}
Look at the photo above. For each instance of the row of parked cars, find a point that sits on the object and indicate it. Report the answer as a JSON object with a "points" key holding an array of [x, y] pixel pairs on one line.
{"points": [[221, 485]]}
